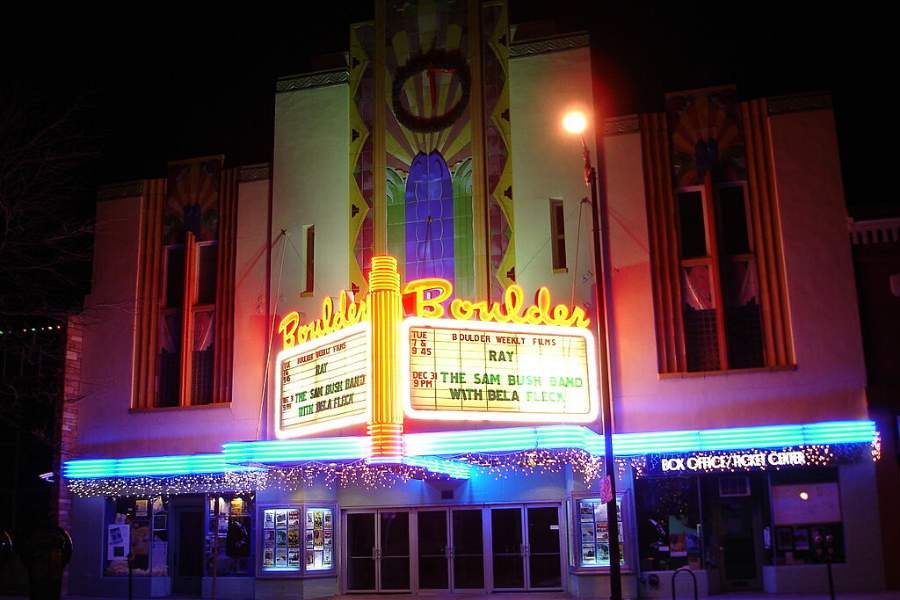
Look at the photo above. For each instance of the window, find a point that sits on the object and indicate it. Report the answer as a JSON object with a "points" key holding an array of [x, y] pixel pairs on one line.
{"points": [[309, 289], [228, 547], [720, 304], [137, 526], [186, 362], [668, 523], [183, 329], [806, 513], [558, 236], [718, 277]]}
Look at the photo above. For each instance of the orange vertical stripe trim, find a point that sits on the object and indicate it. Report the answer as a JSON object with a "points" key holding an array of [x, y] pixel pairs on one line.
{"points": [[187, 319], [147, 293]]}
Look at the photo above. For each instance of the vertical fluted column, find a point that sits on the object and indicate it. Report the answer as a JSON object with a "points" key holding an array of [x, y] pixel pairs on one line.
{"points": [[386, 426]]}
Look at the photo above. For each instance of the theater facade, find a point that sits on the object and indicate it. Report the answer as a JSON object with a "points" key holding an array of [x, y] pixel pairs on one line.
{"points": [[377, 364]]}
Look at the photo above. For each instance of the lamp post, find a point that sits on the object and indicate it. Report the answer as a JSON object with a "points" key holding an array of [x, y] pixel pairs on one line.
{"points": [[576, 123]]}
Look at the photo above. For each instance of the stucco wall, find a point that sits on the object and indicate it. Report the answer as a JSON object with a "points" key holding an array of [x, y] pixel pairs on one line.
{"points": [[547, 163], [107, 428], [828, 383], [311, 187]]}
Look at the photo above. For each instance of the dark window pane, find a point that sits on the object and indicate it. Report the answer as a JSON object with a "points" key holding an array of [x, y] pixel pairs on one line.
{"points": [[506, 525], [545, 571], [701, 340], [174, 276], [508, 571], [468, 572], [733, 221], [433, 573], [360, 574], [692, 225], [361, 550], [559, 260], [543, 530], [310, 260], [395, 573], [468, 549], [506, 531], [395, 534], [543, 542], [432, 533], [741, 282], [169, 382], [558, 234], [202, 377], [206, 284], [743, 328]]}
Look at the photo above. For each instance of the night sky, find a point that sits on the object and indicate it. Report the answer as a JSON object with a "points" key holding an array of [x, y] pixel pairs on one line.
{"points": [[168, 81]]}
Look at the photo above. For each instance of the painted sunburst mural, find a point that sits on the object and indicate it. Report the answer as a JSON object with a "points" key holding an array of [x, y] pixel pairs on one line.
{"points": [[706, 136], [434, 137]]}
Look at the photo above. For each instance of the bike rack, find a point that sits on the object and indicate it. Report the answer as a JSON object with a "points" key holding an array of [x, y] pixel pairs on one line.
{"points": [[693, 576]]}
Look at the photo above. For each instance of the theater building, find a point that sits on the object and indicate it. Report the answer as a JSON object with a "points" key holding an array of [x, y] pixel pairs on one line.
{"points": [[374, 365]]}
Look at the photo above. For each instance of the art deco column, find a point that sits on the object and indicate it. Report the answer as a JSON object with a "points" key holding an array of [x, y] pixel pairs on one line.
{"points": [[386, 426]]}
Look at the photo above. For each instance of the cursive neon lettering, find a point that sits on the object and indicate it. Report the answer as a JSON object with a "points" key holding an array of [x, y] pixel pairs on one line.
{"points": [[511, 310], [347, 314]]}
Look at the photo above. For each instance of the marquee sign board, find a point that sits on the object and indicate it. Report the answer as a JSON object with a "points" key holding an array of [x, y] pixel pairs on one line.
{"points": [[325, 383], [462, 370]]}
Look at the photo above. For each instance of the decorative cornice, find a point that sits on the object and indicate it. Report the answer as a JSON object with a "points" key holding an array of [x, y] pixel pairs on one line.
{"points": [[781, 105], [117, 191], [259, 172], [874, 231], [312, 80], [554, 44], [621, 125]]}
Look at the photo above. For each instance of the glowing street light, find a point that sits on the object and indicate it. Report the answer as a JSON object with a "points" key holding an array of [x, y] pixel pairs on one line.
{"points": [[575, 123]]}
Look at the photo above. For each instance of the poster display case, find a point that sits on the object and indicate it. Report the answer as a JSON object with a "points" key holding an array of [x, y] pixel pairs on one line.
{"points": [[296, 540], [591, 533]]}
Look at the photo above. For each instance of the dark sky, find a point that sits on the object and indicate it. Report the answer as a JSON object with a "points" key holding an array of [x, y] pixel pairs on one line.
{"points": [[166, 81]]}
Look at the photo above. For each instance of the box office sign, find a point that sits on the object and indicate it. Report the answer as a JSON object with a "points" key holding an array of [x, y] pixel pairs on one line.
{"points": [[325, 384], [459, 370], [725, 462]]}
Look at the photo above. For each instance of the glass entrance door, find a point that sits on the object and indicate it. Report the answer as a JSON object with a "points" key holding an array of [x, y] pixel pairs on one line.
{"points": [[438, 549], [378, 556], [544, 552], [467, 552], [434, 550], [525, 546], [450, 558], [508, 548]]}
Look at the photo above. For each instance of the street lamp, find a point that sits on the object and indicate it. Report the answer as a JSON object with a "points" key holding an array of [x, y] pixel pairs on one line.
{"points": [[575, 122]]}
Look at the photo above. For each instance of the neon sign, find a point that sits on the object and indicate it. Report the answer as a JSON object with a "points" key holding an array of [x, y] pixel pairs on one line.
{"points": [[347, 314], [325, 384], [419, 303], [458, 370], [511, 310], [501, 361], [729, 461]]}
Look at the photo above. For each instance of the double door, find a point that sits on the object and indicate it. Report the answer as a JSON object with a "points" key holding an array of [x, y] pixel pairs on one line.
{"points": [[526, 553], [465, 548]]}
